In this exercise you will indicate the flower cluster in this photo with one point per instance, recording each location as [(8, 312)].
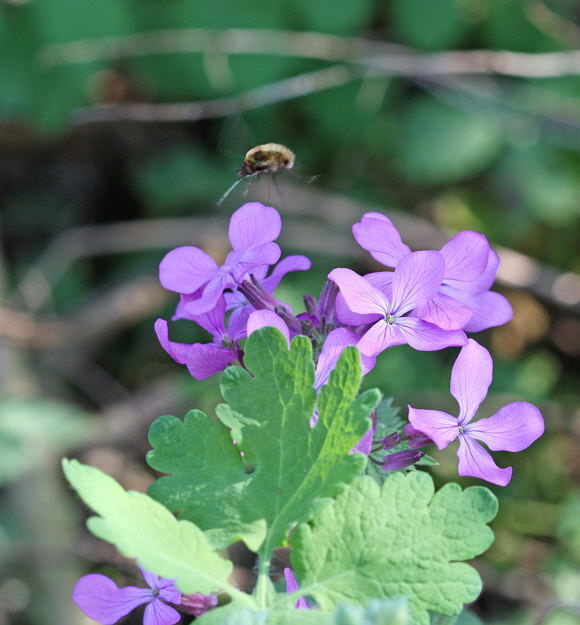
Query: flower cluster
[(427, 300)]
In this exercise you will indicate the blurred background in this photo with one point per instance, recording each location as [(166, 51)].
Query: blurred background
[(122, 123)]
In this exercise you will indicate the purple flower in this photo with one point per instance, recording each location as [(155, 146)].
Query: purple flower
[(464, 299), (513, 428), (415, 280), (267, 318), (204, 359), (332, 349), (197, 604), (401, 459), (187, 270), (292, 586), (103, 601)]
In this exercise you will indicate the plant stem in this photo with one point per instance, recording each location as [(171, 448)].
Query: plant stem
[(261, 591)]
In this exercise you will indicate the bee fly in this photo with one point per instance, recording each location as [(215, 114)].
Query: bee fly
[(267, 158)]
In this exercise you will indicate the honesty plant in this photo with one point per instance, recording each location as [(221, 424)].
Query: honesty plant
[(297, 457)]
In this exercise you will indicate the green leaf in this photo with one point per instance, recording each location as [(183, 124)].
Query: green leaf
[(399, 541), (389, 612), (295, 468), (441, 144), (234, 615), (30, 429), (142, 528)]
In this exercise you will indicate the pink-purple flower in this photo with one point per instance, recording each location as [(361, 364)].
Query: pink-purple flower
[(204, 359), (463, 299), (513, 428), (188, 270), (103, 601), (292, 586), (390, 309)]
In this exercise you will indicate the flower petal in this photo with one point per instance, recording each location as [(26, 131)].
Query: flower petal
[(345, 315), (417, 278), (286, 265), (474, 461), (205, 360), (490, 309), (376, 233), (380, 336), (245, 261), (103, 601), (383, 281), (185, 269), (359, 295), (238, 321), (177, 351), (426, 337), (512, 428), (159, 613), (209, 299), (465, 256), (365, 444), (292, 586), (267, 318), (253, 224), (213, 320), (166, 587), (440, 427), (332, 349), (444, 312), (470, 379)]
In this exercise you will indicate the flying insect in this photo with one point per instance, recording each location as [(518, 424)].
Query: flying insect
[(267, 158)]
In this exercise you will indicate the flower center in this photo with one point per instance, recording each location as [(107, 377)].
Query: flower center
[(390, 319)]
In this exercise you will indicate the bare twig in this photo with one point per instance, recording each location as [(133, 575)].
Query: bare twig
[(121, 307), (357, 57), (277, 91), (374, 54)]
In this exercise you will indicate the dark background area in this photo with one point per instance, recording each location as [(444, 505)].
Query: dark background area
[(122, 123)]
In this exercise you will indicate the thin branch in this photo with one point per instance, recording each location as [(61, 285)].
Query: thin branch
[(374, 54), (357, 57), (271, 93), (121, 307)]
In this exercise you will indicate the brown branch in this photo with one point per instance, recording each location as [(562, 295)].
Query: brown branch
[(357, 57), (278, 91), (121, 307), (374, 54)]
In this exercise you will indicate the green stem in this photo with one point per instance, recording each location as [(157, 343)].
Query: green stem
[(263, 582)]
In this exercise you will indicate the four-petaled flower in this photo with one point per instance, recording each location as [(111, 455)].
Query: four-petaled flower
[(513, 428), (187, 270), (463, 299), (415, 280), (103, 601)]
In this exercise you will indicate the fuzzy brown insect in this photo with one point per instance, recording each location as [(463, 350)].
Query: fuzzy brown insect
[(267, 158)]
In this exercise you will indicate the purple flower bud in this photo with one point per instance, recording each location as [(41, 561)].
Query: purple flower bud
[(257, 295), (327, 303), (415, 438), (401, 459), (311, 305), (197, 604), (390, 441)]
